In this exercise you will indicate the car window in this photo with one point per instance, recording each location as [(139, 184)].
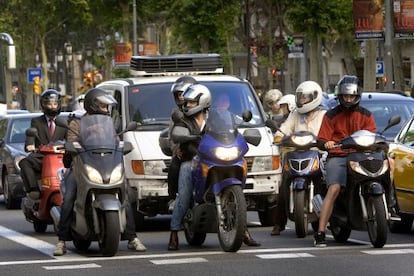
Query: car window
[(408, 137), (18, 130)]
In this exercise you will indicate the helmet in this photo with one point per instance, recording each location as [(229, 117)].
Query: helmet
[(50, 96), (197, 93), (308, 96), (95, 98), (348, 85), (273, 95), (180, 86), (289, 100)]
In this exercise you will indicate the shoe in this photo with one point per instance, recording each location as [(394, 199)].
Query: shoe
[(34, 195), (60, 249), (171, 205), (319, 239), (173, 243), (136, 244), (249, 241), (276, 230)]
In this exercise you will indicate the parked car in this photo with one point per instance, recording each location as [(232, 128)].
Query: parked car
[(12, 137), (383, 106), (402, 152)]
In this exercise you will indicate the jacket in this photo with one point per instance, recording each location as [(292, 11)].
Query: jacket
[(189, 149), (295, 122)]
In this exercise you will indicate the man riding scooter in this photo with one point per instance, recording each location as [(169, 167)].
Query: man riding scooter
[(31, 166)]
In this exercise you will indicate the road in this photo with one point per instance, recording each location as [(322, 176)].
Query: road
[(24, 252)]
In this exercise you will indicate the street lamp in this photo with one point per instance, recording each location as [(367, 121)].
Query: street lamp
[(68, 71), (59, 59)]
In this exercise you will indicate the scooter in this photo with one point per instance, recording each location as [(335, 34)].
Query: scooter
[(39, 212), (302, 174), (99, 209), (219, 175), (362, 205)]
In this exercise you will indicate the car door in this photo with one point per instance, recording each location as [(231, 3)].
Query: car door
[(402, 153)]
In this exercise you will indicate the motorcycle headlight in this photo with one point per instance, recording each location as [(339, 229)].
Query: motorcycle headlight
[(116, 174), (227, 154), (365, 140), (93, 174), (302, 140)]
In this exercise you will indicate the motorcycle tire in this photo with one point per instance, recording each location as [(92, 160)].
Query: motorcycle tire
[(377, 221), (300, 213), (232, 227), (81, 245), (193, 238), (110, 233), (39, 226), (340, 234), (403, 226)]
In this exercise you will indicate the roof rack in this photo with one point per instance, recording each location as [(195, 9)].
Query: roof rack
[(176, 64)]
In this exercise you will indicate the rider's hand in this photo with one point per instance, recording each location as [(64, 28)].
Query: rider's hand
[(330, 145), (30, 148), (277, 139)]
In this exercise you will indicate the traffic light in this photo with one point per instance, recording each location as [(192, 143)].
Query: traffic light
[(36, 85), (88, 80)]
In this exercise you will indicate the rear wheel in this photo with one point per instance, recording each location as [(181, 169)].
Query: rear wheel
[(377, 221), (110, 233), (301, 217), (81, 245), (267, 217), (403, 226), (9, 201), (232, 227), (340, 234), (39, 226), (193, 238)]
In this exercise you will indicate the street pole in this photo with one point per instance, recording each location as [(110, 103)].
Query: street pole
[(389, 34), (134, 24)]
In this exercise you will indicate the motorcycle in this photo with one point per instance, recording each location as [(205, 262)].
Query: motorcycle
[(303, 175), (219, 173), (362, 205), (99, 209), (40, 211)]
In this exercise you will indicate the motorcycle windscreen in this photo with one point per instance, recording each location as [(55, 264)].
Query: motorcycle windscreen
[(97, 132), (221, 125)]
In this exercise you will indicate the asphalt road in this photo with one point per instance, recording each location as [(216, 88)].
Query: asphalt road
[(24, 252)]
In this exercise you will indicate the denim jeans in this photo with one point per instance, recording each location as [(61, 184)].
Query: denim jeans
[(184, 197), (66, 209)]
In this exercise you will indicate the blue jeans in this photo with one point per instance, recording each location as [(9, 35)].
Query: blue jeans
[(184, 197)]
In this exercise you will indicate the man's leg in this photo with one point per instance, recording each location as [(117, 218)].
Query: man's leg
[(173, 174), (30, 167), (130, 233)]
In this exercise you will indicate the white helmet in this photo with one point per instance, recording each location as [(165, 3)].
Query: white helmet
[(273, 95), (199, 93), (308, 96), (289, 100)]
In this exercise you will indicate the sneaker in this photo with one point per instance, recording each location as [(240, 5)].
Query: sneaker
[(136, 245), (171, 205), (60, 249), (319, 239)]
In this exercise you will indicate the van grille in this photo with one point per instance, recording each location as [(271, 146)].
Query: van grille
[(249, 161)]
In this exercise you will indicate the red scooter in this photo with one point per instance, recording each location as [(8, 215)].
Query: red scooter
[(39, 211)]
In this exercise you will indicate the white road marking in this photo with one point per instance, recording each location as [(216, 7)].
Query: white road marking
[(284, 256), (178, 261), (62, 267), (389, 251)]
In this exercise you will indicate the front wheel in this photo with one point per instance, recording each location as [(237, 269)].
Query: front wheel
[(301, 217), (233, 223), (110, 233), (377, 221)]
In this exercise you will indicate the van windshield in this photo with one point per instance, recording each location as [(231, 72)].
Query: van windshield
[(152, 104)]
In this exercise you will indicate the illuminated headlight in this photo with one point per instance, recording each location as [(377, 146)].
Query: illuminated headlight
[(365, 140), (261, 164), (355, 166), (116, 174), (154, 167), (17, 159), (227, 154), (93, 174), (302, 140)]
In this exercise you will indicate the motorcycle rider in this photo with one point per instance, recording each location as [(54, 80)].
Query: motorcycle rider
[(338, 123), (97, 101), (271, 101), (31, 166), (177, 89), (307, 116)]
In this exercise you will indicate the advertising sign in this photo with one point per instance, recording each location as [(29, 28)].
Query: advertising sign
[(368, 19)]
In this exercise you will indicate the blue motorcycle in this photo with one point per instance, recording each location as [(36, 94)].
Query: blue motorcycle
[(219, 176)]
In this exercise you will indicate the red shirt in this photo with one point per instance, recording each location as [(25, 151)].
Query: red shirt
[(339, 123)]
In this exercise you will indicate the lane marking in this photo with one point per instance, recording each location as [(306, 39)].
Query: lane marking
[(285, 256), (389, 251), (179, 261), (62, 267)]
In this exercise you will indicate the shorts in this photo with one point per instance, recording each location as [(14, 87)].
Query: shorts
[(336, 171)]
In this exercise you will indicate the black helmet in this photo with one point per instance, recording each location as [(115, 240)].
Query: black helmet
[(50, 96), (96, 97), (348, 85), (180, 86)]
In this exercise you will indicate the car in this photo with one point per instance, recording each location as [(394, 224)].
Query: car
[(12, 138), (401, 154), (383, 106)]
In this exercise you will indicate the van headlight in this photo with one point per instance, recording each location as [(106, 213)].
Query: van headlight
[(227, 154), (262, 163), (93, 174), (116, 174)]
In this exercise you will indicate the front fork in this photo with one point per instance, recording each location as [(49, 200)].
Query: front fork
[(291, 197), (220, 215), (364, 206)]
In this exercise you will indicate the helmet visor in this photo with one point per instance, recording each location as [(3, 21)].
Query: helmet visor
[(348, 89), (303, 98)]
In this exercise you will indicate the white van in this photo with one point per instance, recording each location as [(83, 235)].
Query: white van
[(146, 98)]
